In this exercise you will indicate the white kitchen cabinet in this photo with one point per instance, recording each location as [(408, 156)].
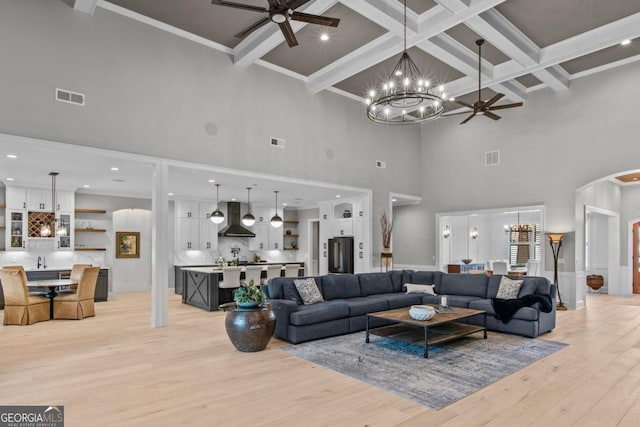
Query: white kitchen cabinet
[(275, 234), (205, 209), (16, 230), (187, 234), (16, 198), (207, 234), (64, 241), (343, 227), (39, 200), (261, 241), (325, 232), (65, 201), (194, 230), (360, 247), (187, 209)]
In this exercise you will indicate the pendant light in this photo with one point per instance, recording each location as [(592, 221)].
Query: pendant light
[(248, 219), (58, 224), (217, 216), (276, 221)]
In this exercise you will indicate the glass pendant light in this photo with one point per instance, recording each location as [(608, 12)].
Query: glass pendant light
[(58, 225), (276, 221), (248, 219), (217, 216)]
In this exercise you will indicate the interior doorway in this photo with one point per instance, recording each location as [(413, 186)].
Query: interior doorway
[(313, 248), (636, 258)]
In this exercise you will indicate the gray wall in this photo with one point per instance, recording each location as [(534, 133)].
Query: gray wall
[(150, 92), (552, 146)]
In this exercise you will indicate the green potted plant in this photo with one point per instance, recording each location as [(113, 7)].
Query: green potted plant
[(249, 295)]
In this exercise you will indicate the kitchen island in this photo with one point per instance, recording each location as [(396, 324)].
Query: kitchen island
[(199, 284)]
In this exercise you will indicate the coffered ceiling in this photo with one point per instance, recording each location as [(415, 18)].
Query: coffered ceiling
[(531, 45)]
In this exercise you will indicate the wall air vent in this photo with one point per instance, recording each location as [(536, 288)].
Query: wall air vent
[(277, 142), (381, 164), (69, 97), (492, 158)]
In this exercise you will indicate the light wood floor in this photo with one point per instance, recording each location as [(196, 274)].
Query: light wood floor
[(114, 369)]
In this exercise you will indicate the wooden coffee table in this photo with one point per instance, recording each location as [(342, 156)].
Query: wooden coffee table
[(440, 328)]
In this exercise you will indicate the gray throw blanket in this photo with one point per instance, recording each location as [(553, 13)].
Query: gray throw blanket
[(506, 308)]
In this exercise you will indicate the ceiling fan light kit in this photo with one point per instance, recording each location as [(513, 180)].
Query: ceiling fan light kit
[(280, 12), (405, 96)]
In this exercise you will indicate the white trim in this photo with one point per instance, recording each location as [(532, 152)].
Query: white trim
[(280, 69), (162, 26), (629, 267), (309, 260), (605, 67)]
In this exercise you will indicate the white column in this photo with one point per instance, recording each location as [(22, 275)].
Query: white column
[(160, 245)]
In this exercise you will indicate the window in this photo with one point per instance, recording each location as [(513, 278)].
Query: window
[(524, 241)]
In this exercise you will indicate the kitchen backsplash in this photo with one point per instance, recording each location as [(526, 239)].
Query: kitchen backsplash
[(52, 259), (224, 249)]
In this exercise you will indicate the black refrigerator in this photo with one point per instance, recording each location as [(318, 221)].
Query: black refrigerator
[(341, 255)]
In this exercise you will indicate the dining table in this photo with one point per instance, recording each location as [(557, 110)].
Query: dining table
[(54, 286)]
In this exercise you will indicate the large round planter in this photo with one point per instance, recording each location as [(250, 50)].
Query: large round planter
[(595, 281), (250, 329)]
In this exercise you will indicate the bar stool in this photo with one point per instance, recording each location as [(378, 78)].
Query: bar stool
[(253, 272), (273, 271), (230, 281), (291, 270)]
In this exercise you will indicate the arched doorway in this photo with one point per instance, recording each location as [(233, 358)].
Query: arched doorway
[(635, 233)]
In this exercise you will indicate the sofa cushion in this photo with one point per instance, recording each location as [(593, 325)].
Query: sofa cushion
[(397, 300), (528, 287), (276, 286), (464, 284), (413, 288), (493, 285), (321, 312), (430, 299), (375, 283), (460, 300), (525, 313), (508, 288), (396, 280), (308, 290), (427, 278), (291, 293), (340, 286), (363, 305)]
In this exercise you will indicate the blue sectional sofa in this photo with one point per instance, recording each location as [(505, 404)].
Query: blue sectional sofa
[(348, 298)]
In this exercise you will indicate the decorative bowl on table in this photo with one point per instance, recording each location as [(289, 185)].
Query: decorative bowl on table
[(466, 260), (421, 312)]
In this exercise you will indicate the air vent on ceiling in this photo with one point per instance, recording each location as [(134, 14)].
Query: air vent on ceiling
[(381, 164), (277, 142), (492, 158), (67, 96)]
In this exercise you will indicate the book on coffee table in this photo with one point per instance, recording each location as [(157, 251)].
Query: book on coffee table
[(443, 309)]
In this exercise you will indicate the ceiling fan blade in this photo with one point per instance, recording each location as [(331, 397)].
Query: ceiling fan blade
[(502, 107), (464, 104), (288, 33), (240, 6), (315, 19), (250, 29), (468, 118), (294, 4), (491, 115), (493, 100)]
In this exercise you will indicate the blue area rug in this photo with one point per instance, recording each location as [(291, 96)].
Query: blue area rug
[(453, 370)]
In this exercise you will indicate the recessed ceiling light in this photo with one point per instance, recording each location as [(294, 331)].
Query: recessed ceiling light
[(284, 204), (233, 199), (452, 99), (338, 196), (324, 37), (86, 186), (115, 169), (625, 42), (12, 156), (118, 180), (10, 179), (212, 180), (394, 200), (170, 194)]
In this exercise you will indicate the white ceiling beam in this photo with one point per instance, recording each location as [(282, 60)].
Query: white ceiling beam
[(385, 13), (501, 33), (87, 6), (265, 39)]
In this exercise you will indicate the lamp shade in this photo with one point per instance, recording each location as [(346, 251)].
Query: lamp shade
[(555, 237), (248, 219), (217, 217)]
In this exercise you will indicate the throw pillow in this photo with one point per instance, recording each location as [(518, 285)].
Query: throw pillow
[(508, 288), (308, 290), (413, 288)]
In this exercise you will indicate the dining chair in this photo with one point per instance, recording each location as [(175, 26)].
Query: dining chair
[(79, 304), (500, 267), (20, 268), (253, 273), (74, 274), (20, 308), (533, 266), (291, 270), (230, 281), (274, 270)]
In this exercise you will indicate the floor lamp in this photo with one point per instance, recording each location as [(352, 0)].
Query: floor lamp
[(555, 240)]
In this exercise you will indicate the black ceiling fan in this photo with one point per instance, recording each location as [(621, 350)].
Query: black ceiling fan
[(280, 12), (481, 107)]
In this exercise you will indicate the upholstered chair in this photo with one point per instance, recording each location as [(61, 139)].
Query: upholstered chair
[(533, 267), (273, 271), (76, 274), (230, 281), (20, 308), (79, 304), (291, 270), (253, 272), (500, 267)]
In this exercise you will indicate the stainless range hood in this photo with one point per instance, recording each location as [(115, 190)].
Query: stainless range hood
[(235, 227)]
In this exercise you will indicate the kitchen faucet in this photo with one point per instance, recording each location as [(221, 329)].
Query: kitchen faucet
[(39, 261)]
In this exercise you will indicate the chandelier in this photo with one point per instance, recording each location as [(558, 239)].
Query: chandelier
[(405, 97)]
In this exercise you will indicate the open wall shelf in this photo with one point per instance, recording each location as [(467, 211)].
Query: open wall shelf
[(91, 211), (90, 230)]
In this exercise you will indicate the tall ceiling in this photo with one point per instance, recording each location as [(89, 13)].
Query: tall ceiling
[(531, 45)]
